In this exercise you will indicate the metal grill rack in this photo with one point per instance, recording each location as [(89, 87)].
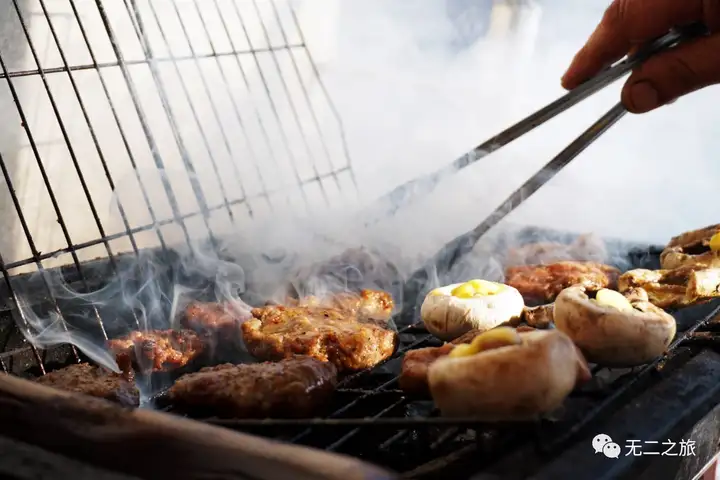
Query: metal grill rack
[(186, 118)]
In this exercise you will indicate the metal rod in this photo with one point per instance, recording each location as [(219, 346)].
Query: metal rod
[(145, 61), (238, 117), (391, 202), (328, 99), (243, 74), (138, 27), (306, 96), (449, 255), (193, 111), (151, 226), (121, 131), (291, 104), (273, 106), (142, 117)]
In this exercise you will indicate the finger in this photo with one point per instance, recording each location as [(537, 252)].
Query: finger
[(672, 74), (630, 22)]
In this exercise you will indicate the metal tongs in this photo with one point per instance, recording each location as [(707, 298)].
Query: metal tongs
[(456, 249)]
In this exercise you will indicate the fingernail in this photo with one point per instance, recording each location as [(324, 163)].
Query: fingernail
[(643, 97)]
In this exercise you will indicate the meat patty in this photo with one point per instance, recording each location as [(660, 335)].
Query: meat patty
[(156, 350), (691, 249), (294, 387), (542, 283), (328, 334), (94, 381)]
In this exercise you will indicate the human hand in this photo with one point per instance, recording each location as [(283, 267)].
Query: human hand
[(628, 24)]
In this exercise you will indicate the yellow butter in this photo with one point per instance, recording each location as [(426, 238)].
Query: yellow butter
[(715, 242), (611, 298)]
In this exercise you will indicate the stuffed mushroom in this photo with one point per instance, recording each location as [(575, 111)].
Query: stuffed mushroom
[(612, 330), (506, 375), (451, 311)]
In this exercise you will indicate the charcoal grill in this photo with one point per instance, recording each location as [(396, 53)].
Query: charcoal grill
[(674, 398)]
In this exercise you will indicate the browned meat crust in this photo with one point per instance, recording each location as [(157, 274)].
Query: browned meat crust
[(539, 317), (369, 305), (294, 387), (545, 282), (415, 364), (156, 350), (219, 322), (328, 334), (94, 381), (585, 248), (691, 249), (680, 287)]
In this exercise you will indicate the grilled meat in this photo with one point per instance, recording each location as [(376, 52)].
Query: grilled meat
[(545, 282), (219, 322), (691, 249), (156, 350), (328, 334), (295, 387), (369, 305), (585, 248), (680, 287), (413, 376), (540, 316), (94, 381)]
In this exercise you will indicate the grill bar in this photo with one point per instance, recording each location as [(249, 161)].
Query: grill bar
[(138, 27), (183, 58), (155, 226)]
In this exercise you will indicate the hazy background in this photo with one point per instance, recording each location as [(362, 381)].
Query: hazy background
[(415, 85)]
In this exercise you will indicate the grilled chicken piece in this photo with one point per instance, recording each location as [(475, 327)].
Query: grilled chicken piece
[(680, 287), (542, 283), (219, 321), (540, 316), (691, 249), (413, 376), (93, 381), (156, 350), (369, 305), (294, 387), (587, 247), (328, 334)]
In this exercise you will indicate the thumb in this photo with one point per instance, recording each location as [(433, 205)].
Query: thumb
[(672, 74)]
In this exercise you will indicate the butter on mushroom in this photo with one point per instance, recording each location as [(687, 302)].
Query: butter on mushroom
[(451, 311), (505, 375), (611, 330)]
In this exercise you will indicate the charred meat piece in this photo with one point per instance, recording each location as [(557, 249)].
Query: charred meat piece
[(691, 249), (156, 350), (413, 376), (542, 283), (94, 381), (680, 287), (369, 305), (586, 247), (328, 334), (540, 316), (294, 387), (219, 320)]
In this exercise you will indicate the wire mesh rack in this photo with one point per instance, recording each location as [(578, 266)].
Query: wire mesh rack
[(141, 124)]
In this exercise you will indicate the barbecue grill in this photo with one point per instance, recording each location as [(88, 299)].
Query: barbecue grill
[(277, 113)]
